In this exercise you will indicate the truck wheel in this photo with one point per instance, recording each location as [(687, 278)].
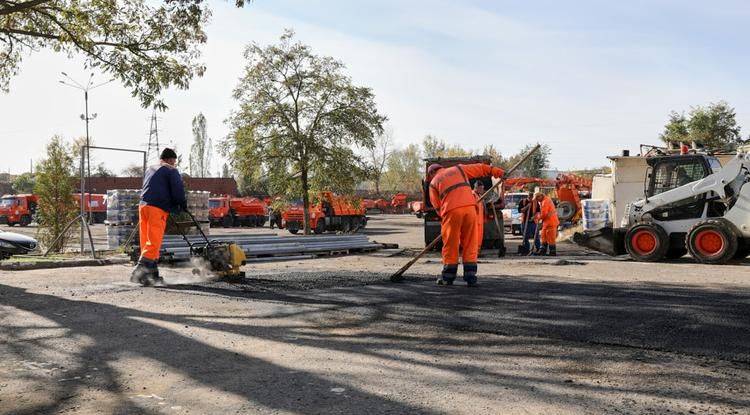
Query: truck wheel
[(346, 225), (743, 249), (712, 241), (566, 210), (227, 222), (293, 231), (11, 224), (646, 242)]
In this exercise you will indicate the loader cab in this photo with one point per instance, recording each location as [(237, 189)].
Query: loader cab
[(666, 173), (670, 172)]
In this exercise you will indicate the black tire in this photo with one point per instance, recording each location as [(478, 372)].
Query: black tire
[(11, 224), (227, 221), (712, 241), (743, 249), (293, 231), (646, 242), (566, 210), (346, 224)]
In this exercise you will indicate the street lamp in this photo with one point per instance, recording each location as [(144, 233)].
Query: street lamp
[(88, 87)]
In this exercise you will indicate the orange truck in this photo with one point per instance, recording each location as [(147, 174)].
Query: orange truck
[(236, 211), (18, 209), (399, 203), (331, 213), (95, 205)]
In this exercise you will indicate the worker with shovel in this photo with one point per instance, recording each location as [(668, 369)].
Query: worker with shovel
[(162, 193), (528, 208), (548, 221), (452, 198)]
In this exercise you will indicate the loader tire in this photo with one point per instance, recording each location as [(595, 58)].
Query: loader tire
[(712, 241), (646, 242), (566, 210)]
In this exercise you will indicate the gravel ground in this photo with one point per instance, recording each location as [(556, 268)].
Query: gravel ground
[(578, 335)]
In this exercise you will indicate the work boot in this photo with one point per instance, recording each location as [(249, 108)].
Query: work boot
[(145, 272), (448, 275), (542, 251), (157, 281), (470, 274), (553, 250)]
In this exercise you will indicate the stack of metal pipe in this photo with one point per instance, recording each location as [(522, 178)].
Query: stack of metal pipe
[(174, 248)]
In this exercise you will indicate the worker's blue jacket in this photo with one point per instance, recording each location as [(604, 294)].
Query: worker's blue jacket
[(162, 187)]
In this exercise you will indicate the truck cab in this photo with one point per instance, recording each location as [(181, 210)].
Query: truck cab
[(493, 237), (18, 209)]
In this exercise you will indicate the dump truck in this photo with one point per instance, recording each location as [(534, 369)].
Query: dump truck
[(330, 213), (399, 203), (494, 235), (654, 179), (236, 211), (95, 205), (18, 209)]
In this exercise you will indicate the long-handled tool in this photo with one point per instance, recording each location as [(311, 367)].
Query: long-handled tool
[(398, 276), (223, 258), (536, 249)]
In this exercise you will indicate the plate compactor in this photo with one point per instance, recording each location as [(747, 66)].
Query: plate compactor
[(222, 259)]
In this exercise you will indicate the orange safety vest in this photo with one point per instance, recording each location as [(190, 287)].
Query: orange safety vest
[(450, 188)]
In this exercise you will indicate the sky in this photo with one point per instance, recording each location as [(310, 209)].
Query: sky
[(588, 78)]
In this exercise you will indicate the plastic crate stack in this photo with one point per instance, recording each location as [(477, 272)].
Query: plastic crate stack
[(595, 214), (122, 215)]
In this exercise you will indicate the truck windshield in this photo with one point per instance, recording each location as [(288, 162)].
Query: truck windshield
[(213, 204), (8, 202)]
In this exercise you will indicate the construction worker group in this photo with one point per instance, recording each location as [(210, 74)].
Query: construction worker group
[(461, 212)]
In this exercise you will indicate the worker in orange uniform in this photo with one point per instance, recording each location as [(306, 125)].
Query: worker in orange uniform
[(548, 220), (162, 192), (478, 192), (452, 198)]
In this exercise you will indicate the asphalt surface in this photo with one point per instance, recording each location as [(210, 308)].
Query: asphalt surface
[(333, 335)]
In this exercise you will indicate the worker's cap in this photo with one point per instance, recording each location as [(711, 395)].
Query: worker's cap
[(434, 167), (537, 192), (167, 154)]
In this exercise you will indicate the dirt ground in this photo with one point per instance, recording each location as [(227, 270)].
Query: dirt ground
[(580, 334)]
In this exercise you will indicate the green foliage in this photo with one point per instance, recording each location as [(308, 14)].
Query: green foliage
[(102, 171), (436, 147), (714, 126), (676, 129), (24, 183), (534, 166), (201, 150), (299, 116), (225, 172), (133, 170), (54, 186), (148, 45), (405, 170)]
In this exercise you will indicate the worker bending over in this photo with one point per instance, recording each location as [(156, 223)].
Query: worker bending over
[(162, 193), (547, 219), (478, 192), (451, 196)]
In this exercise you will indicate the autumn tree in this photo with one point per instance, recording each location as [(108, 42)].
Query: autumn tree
[(435, 147), (405, 170), (714, 126), (54, 186), (148, 45), (201, 150), (301, 115)]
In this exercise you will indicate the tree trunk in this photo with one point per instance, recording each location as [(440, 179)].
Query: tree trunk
[(305, 200), (377, 186)]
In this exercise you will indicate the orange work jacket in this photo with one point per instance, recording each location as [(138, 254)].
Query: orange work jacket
[(450, 188), (548, 213)]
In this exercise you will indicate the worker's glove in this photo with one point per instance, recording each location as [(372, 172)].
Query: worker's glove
[(497, 172)]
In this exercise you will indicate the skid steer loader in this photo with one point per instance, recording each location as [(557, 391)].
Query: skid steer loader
[(708, 218)]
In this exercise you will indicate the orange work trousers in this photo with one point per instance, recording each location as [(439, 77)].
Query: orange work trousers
[(152, 222), (459, 228), (548, 234)]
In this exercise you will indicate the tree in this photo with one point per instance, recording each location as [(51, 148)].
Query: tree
[(225, 172), (715, 126), (133, 170), (148, 45), (534, 166), (300, 115), (200, 151), (102, 171), (405, 170), (497, 159), (436, 147), (377, 157), (54, 186), (676, 129), (24, 183)]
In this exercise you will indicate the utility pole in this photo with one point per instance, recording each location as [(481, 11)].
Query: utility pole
[(153, 137)]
